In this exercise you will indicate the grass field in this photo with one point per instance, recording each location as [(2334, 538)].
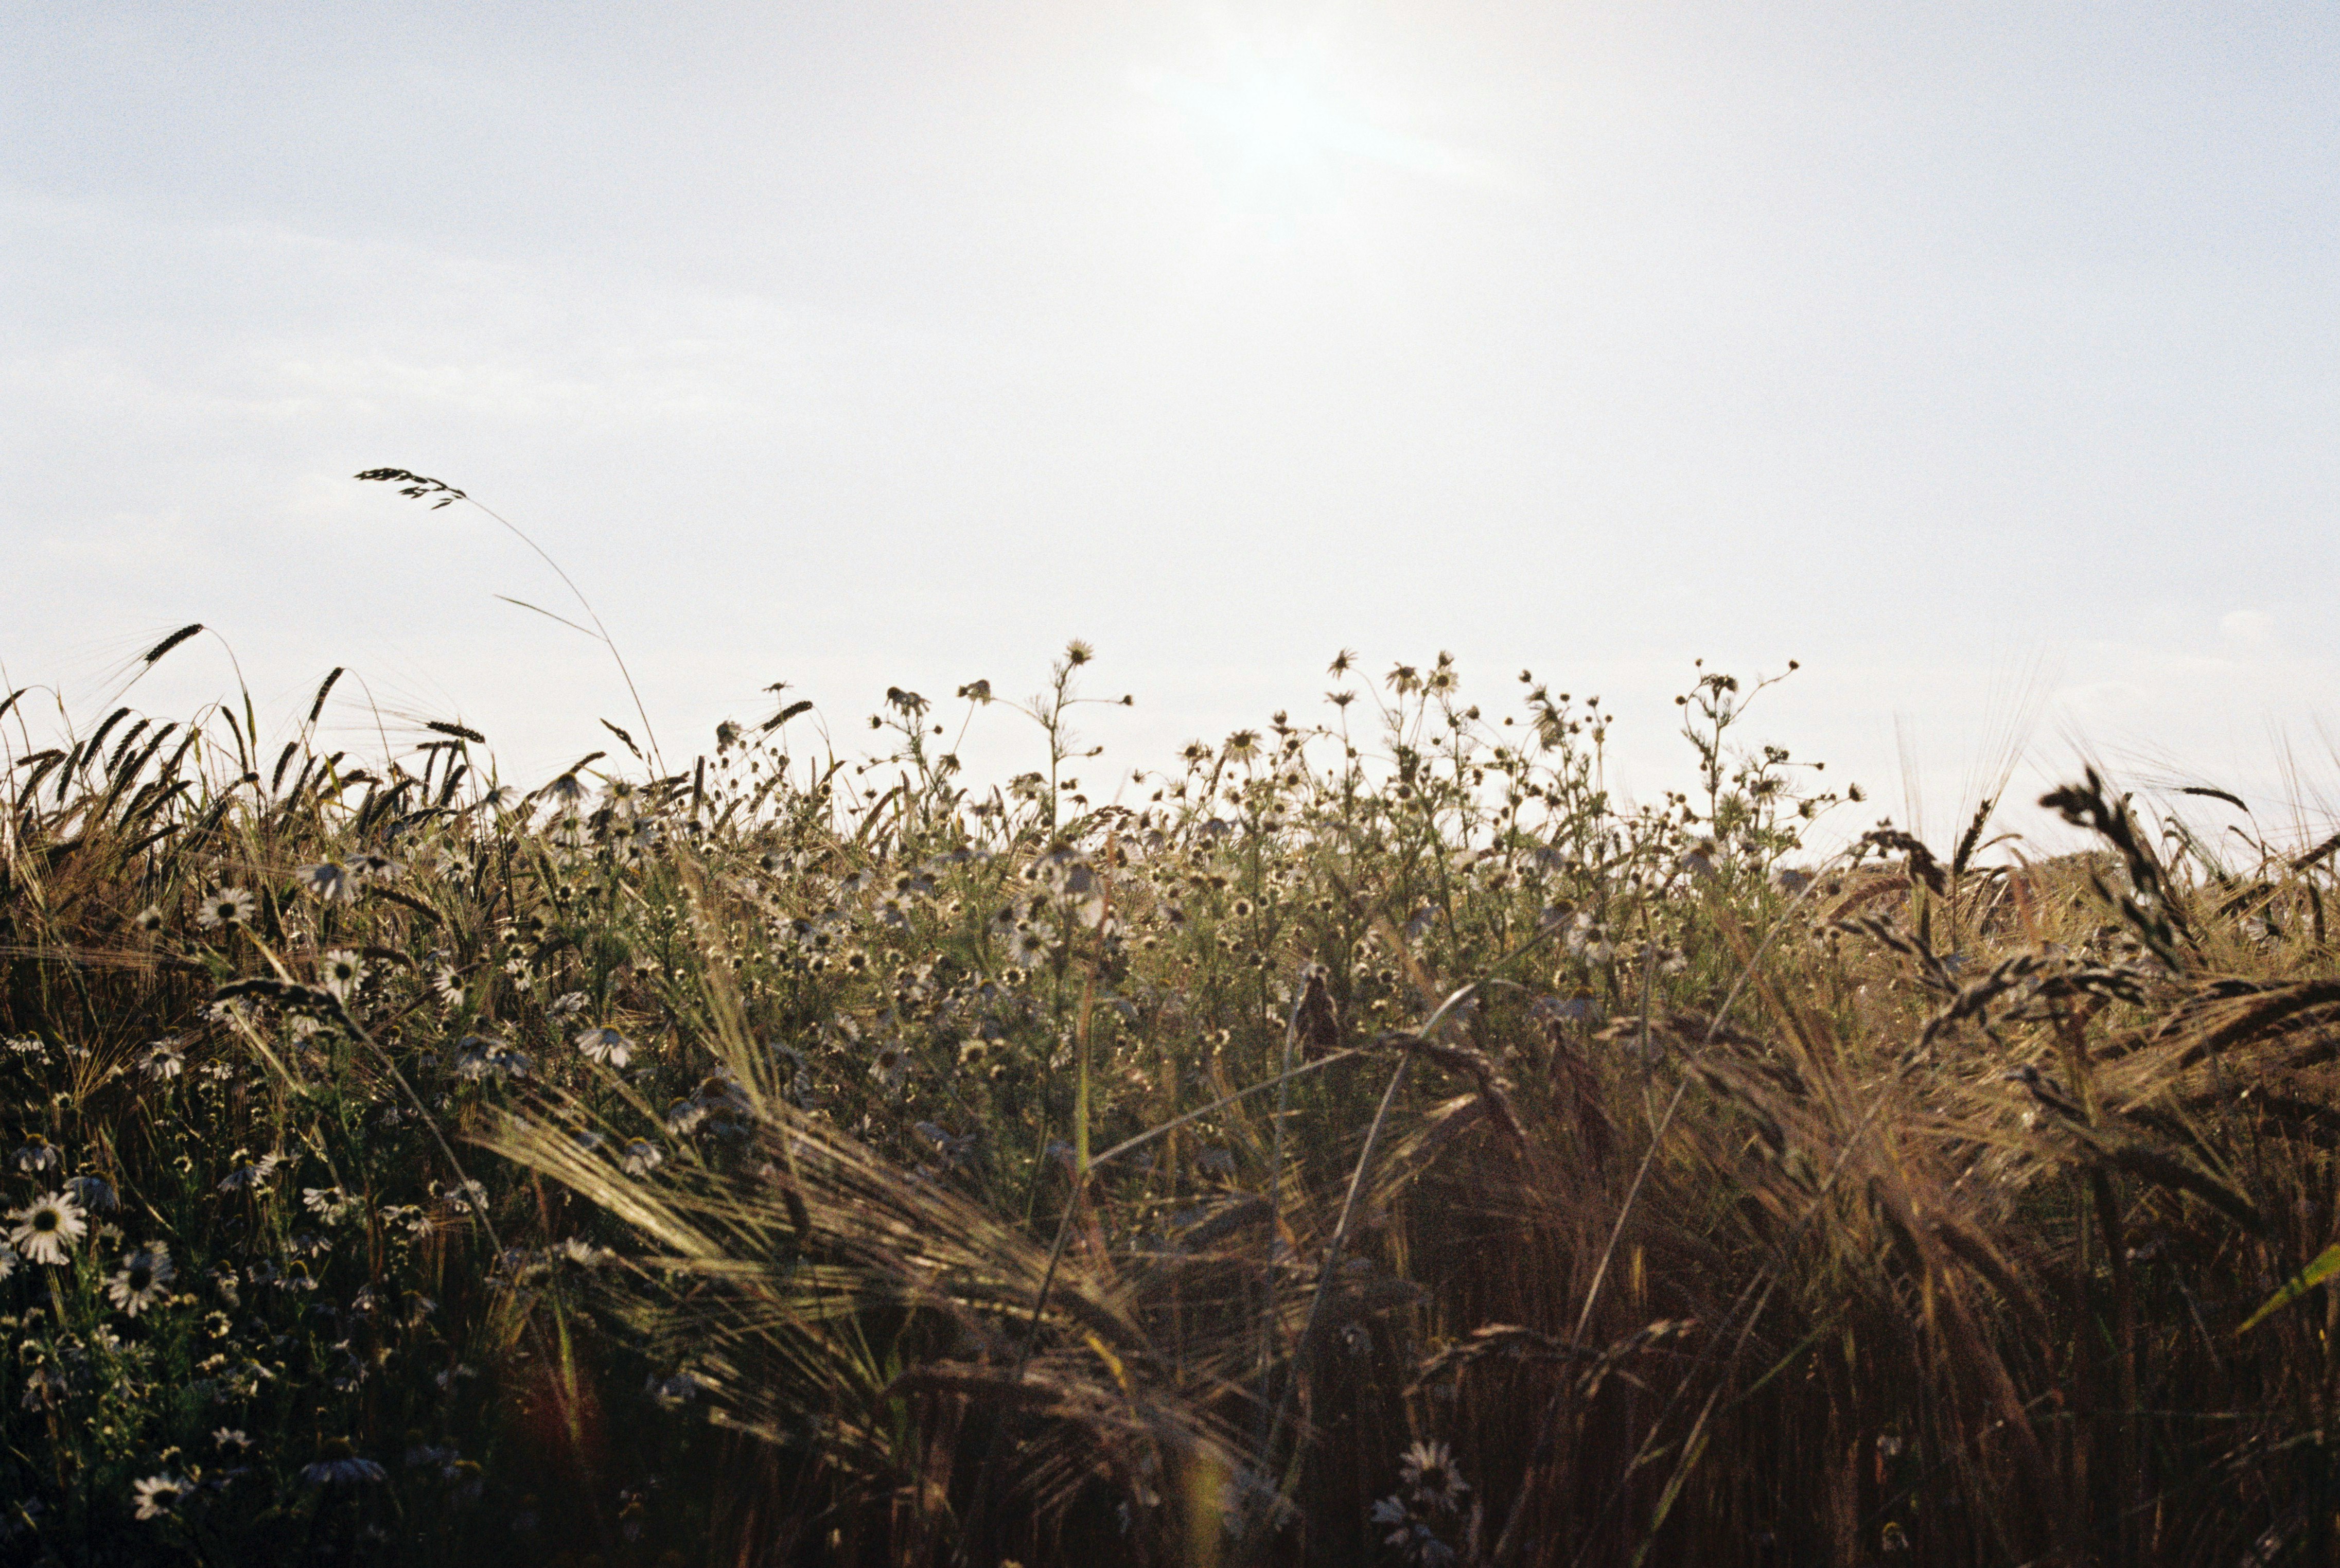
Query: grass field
[(1362, 1140)]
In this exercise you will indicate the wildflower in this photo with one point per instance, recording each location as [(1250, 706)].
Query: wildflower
[(606, 1045), (465, 1196), (338, 1465), (156, 1495), (1029, 947), (340, 971), (581, 1252), (891, 1064), (567, 1005), (144, 1279), (1588, 940), (642, 1156), (370, 867), (45, 1388), (7, 1260), (229, 1437), (447, 985), (328, 883), (1412, 1538), (148, 919), (223, 907), (38, 1154), (47, 1227), (254, 1174), (163, 1059), (1429, 1469)]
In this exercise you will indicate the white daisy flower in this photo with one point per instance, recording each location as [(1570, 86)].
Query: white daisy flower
[(93, 1193), (371, 868), (337, 1465), (1429, 1469), (606, 1045), (1029, 947), (38, 1154), (642, 1156), (47, 1227), (144, 1279), (223, 907), (156, 1495), (329, 883), (254, 1174), (341, 972)]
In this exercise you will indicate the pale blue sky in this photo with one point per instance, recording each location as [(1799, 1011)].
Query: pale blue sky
[(854, 345)]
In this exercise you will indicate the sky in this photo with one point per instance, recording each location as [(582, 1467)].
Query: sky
[(1984, 359)]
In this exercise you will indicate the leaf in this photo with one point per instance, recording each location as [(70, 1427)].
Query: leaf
[(2327, 1264)]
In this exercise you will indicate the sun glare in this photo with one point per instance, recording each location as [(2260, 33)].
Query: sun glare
[(1276, 138), (1279, 121)]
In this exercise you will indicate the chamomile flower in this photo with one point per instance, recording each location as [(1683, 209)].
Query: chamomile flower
[(144, 1279), (149, 920), (337, 1465), (891, 1064), (47, 1227), (251, 1175), (93, 1193), (156, 1495), (606, 1045), (1029, 947), (341, 972), (370, 867), (38, 1154), (222, 907), (163, 1060), (642, 1156), (1428, 1469), (328, 883)]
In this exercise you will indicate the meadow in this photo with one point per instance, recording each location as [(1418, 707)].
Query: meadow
[(1363, 1139)]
